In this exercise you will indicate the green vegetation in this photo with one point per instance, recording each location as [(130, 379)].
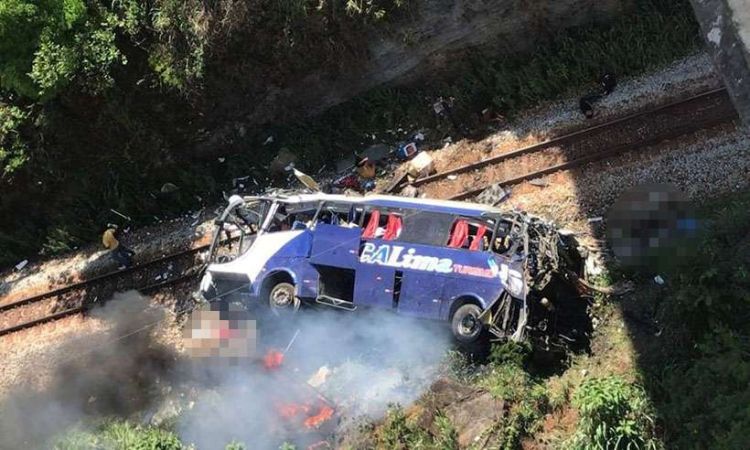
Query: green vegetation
[(701, 389), (613, 414), (400, 433), (103, 103), (526, 396), (119, 435)]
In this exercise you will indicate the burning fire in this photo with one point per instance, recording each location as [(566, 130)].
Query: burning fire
[(312, 416), (273, 359), (290, 411), (325, 413)]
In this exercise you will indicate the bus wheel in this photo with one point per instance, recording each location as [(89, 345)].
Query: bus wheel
[(281, 299), (466, 326)]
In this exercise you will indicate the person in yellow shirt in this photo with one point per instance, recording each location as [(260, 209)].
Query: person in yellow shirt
[(120, 253)]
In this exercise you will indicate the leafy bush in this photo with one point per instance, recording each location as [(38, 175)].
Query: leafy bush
[(398, 432), (121, 436), (45, 45), (701, 389), (13, 151), (613, 414), (525, 396), (510, 352)]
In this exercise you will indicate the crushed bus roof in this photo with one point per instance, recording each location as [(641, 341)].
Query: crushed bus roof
[(389, 201)]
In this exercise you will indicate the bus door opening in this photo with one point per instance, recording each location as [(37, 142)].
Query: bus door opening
[(376, 283), (334, 253)]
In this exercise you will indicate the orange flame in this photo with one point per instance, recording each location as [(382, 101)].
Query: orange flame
[(290, 410), (323, 414), (273, 359)]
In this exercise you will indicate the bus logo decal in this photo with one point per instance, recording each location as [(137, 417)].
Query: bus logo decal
[(395, 256)]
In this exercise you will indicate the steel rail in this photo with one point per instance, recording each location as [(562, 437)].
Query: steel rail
[(576, 135), (100, 278), (613, 151), (83, 308)]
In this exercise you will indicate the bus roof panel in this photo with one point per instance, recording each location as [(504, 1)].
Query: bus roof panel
[(390, 201)]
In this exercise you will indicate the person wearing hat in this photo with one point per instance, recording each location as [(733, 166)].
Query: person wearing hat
[(365, 168), (120, 253), (366, 172)]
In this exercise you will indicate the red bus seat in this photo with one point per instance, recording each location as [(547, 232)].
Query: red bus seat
[(372, 225), (393, 227), (459, 234)]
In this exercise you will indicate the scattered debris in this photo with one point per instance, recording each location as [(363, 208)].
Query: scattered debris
[(22, 264), (281, 161), (540, 182), (319, 377), (421, 166), (349, 181), (306, 180), (595, 219), (406, 151), (659, 280), (268, 140), (493, 195), (221, 159), (376, 153), (452, 177), (345, 165), (410, 191), (419, 137), (123, 215)]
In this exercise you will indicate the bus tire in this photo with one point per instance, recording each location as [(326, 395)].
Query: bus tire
[(465, 324), (282, 299)]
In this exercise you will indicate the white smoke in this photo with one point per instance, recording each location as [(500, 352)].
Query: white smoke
[(360, 362), (113, 373)]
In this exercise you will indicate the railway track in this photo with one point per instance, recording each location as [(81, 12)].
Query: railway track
[(78, 297), (576, 149), (565, 152)]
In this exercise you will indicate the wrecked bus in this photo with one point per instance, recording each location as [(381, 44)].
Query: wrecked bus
[(482, 270)]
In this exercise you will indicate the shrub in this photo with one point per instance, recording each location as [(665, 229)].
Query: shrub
[(398, 432), (45, 45), (525, 396), (613, 414), (510, 352), (13, 151), (121, 436), (701, 389)]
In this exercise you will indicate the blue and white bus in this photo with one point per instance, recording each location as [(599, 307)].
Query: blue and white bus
[(476, 267)]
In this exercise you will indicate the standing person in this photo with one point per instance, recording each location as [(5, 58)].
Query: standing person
[(120, 253), (608, 81)]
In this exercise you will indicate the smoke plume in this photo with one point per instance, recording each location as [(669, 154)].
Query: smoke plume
[(115, 373)]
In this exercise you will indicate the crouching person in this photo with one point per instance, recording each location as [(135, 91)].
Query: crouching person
[(120, 253)]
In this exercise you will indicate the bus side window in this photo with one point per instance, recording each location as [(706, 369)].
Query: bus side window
[(502, 241)]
